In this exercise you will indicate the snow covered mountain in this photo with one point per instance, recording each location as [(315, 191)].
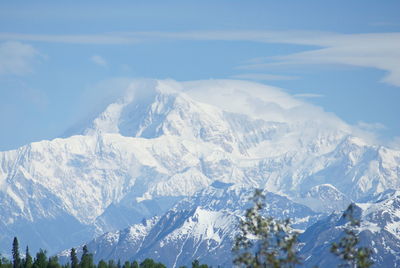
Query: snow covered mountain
[(199, 227), (379, 230), (203, 227), (165, 140)]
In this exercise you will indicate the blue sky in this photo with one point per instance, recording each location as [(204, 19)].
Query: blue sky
[(58, 58)]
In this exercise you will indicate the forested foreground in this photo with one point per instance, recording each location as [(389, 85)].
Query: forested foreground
[(261, 242), (86, 261)]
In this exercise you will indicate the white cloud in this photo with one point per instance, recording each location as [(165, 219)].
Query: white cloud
[(264, 77), (378, 50), (374, 50), (308, 95), (99, 60), (16, 58), (371, 126), (104, 39), (259, 101)]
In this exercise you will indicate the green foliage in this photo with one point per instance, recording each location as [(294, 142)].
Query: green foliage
[(40, 260), (15, 254), (53, 262), (5, 263), (74, 259), (150, 263), (264, 241), (135, 264), (127, 264), (102, 264), (347, 250), (28, 262), (196, 264), (86, 259), (111, 264)]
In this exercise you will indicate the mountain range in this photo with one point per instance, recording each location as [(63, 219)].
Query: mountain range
[(174, 163)]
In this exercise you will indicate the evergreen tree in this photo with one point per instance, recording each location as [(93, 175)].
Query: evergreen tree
[(67, 265), (53, 262), (127, 264), (135, 264), (102, 264), (347, 250), (15, 254), (74, 259), (86, 259), (111, 264), (40, 260), (196, 264), (264, 242), (28, 259), (5, 263), (150, 263)]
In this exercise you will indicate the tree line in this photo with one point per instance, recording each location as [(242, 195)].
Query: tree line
[(86, 261), (261, 242)]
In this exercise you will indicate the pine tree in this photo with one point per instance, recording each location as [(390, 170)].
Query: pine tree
[(40, 260), (347, 249), (127, 264), (5, 263), (102, 264), (28, 259), (86, 259), (15, 254), (135, 264), (67, 265), (53, 262), (196, 264), (74, 259), (111, 264), (264, 241), (150, 263)]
